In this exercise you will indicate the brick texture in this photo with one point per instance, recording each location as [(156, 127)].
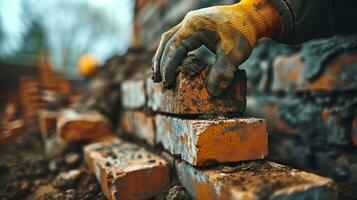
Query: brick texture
[(139, 124), (73, 126), (190, 96), (127, 171), (253, 181), (337, 75), (203, 142)]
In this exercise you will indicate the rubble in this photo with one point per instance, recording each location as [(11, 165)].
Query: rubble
[(67, 180)]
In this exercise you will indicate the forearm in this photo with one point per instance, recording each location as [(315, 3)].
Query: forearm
[(304, 20)]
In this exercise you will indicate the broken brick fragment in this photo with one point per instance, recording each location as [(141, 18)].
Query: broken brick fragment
[(139, 124), (47, 121), (127, 171), (133, 93), (253, 181), (190, 95), (73, 126), (203, 142)]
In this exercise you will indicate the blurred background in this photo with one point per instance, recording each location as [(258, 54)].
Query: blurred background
[(50, 50)]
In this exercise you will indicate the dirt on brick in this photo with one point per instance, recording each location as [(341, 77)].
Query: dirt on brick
[(260, 175), (191, 66)]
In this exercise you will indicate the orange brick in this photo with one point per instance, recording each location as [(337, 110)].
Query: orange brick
[(11, 130), (133, 94), (288, 75), (139, 124), (337, 75), (203, 142), (47, 121), (190, 96), (253, 181), (127, 171), (73, 126)]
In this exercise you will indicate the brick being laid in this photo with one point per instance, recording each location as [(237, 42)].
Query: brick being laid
[(47, 121), (127, 171), (139, 124), (73, 126), (133, 95), (203, 142), (253, 180), (190, 95)]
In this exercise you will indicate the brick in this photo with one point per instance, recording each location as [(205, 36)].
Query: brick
[(190, 96), (47, 121), (73, 126), (338, 75), (127, 171), (133, 94), (11, 130), (139, 124), (288, 74), (203, 142), (253, 181)]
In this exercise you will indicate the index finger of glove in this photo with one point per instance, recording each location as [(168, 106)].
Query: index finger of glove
[(157, 58)]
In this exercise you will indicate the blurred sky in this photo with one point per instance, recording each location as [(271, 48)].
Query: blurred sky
[(69, 28)]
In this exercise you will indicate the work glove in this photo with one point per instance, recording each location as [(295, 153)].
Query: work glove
[(228, 31)]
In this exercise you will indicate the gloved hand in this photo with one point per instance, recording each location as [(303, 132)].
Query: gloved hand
[(229, 31)]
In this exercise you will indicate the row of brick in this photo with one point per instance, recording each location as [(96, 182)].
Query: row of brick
[(128, 171), (277, 69), (199, 142)]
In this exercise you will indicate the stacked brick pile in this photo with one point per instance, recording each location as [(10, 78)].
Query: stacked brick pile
[(33, 89), (201, 139), (183, 133), (311, 108)]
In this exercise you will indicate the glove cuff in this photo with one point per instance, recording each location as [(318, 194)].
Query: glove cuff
[(255, 19)]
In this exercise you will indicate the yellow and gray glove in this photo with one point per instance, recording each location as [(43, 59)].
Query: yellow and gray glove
[(229, 31)]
